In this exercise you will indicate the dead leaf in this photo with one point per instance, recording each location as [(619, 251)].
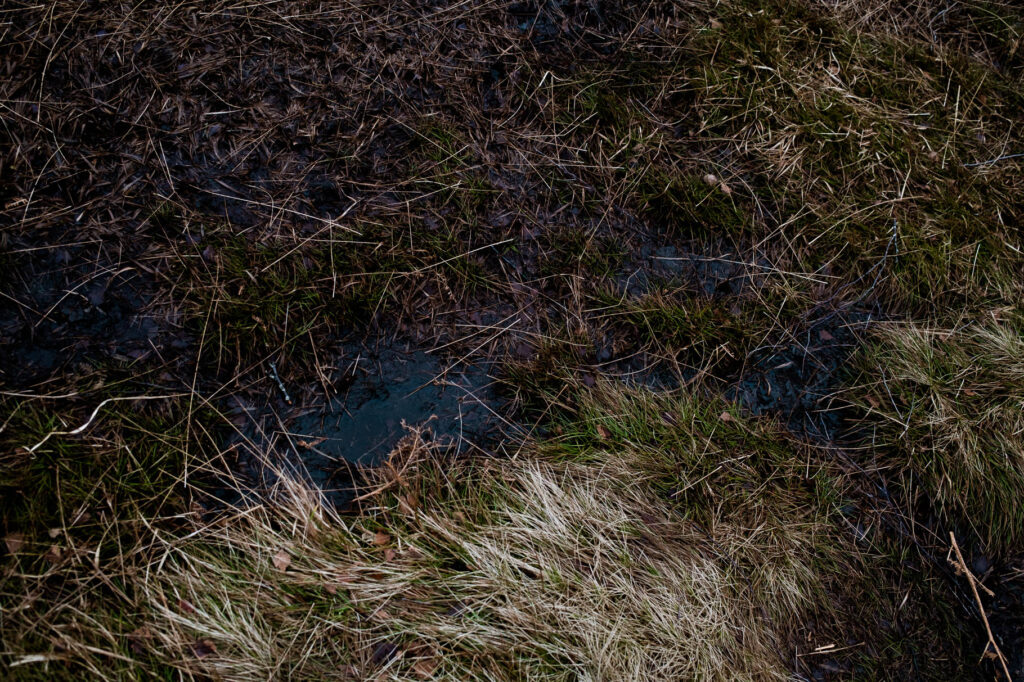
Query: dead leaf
[(407, 504), (282, 560), (14, 542), (54, 554), (380, 538), (825, 336), (203, 647), (424, 668), (725, 189), (726, 417), (389, 554), (873, 401), (716, 24), (603, 432), (330, 588)]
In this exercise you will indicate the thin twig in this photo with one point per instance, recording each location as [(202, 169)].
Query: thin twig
[(960, 565)]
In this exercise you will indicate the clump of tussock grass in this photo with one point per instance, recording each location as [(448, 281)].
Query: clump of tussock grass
[(529, 568), (950, 405)]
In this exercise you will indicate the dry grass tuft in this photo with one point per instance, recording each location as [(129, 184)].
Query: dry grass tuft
[(483, 569)]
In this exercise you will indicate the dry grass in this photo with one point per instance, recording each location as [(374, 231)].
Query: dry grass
[(474, 569)]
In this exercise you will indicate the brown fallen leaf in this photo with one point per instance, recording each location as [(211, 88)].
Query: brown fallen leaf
[(407, 504), (389, 554), (603, 432), (380, 538), (14, 542), (424, 668), (726, 417), (186, 606), (202, 648), (330, 588), (282, 560), (825, 336)]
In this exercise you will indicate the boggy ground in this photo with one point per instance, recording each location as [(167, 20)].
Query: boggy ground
[(703, 320)]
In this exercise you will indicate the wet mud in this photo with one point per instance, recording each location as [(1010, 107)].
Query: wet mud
[(379, 393)]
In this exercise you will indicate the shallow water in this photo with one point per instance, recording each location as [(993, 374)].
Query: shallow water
[(363, 424)]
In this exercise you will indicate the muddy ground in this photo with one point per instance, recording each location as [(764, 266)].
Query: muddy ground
[(331, 235)]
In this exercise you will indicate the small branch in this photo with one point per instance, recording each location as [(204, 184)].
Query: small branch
[(961, 567)]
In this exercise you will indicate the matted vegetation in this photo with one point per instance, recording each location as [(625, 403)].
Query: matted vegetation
[(746, 278)]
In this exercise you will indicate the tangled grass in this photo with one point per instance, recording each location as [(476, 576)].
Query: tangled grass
[(953, 402)]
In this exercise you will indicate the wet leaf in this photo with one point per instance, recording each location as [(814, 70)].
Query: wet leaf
[(202, 648)]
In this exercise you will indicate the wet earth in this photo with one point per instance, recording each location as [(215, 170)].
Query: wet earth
[(379, 393)]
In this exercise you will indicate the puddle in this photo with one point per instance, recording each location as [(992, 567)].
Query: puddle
[(380, 392), (364, 423)]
